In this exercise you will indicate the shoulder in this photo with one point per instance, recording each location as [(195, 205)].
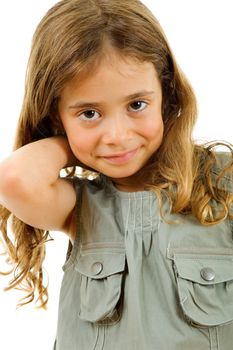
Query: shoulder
[(222, 160), (215, 168), (222, 170), (89, 184), (89, 188), (92, 195)]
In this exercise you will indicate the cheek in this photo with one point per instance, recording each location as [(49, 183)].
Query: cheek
[(154, 130), (81, 143), (78, 144)]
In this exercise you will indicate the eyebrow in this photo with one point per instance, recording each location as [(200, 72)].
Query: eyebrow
[(82, 104)]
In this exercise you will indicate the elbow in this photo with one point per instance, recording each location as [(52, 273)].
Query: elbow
[(11, 182)]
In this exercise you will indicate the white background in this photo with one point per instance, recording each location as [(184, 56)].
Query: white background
[(200, 34)]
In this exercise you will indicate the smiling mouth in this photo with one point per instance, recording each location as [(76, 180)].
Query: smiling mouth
[(121, 158)]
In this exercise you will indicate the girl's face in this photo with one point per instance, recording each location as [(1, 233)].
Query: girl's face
[(112, 117)]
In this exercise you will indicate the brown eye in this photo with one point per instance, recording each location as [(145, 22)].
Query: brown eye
[(138, 106), (89, 115)]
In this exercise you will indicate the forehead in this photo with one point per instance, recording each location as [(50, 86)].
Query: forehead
[(111, 68)]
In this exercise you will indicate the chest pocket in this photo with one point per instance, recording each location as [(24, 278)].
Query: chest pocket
[(101, 285), (205, 288)]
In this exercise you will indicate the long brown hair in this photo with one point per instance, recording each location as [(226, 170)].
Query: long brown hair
[(68, 40)]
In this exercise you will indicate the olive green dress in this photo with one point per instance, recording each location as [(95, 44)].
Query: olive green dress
[(135, 281)]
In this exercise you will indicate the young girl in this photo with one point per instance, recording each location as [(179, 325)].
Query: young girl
[(150, 221)]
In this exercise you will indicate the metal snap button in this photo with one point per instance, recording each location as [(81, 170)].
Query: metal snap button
[(207, 274), (97, 268)]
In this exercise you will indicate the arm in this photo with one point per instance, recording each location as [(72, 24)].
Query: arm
[(30, 186)]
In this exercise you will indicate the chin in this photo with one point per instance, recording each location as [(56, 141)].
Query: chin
[(120, 174)]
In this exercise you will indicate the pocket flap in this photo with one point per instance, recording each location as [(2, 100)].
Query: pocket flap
[(205, 288), (193, 267), (98, 265)]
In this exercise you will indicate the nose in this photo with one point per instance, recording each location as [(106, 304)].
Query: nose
[(117, 130)]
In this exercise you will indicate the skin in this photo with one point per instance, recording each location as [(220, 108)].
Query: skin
[(111, 133), (107, 130)]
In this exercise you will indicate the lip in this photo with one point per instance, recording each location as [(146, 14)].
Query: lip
[(121, 158)]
